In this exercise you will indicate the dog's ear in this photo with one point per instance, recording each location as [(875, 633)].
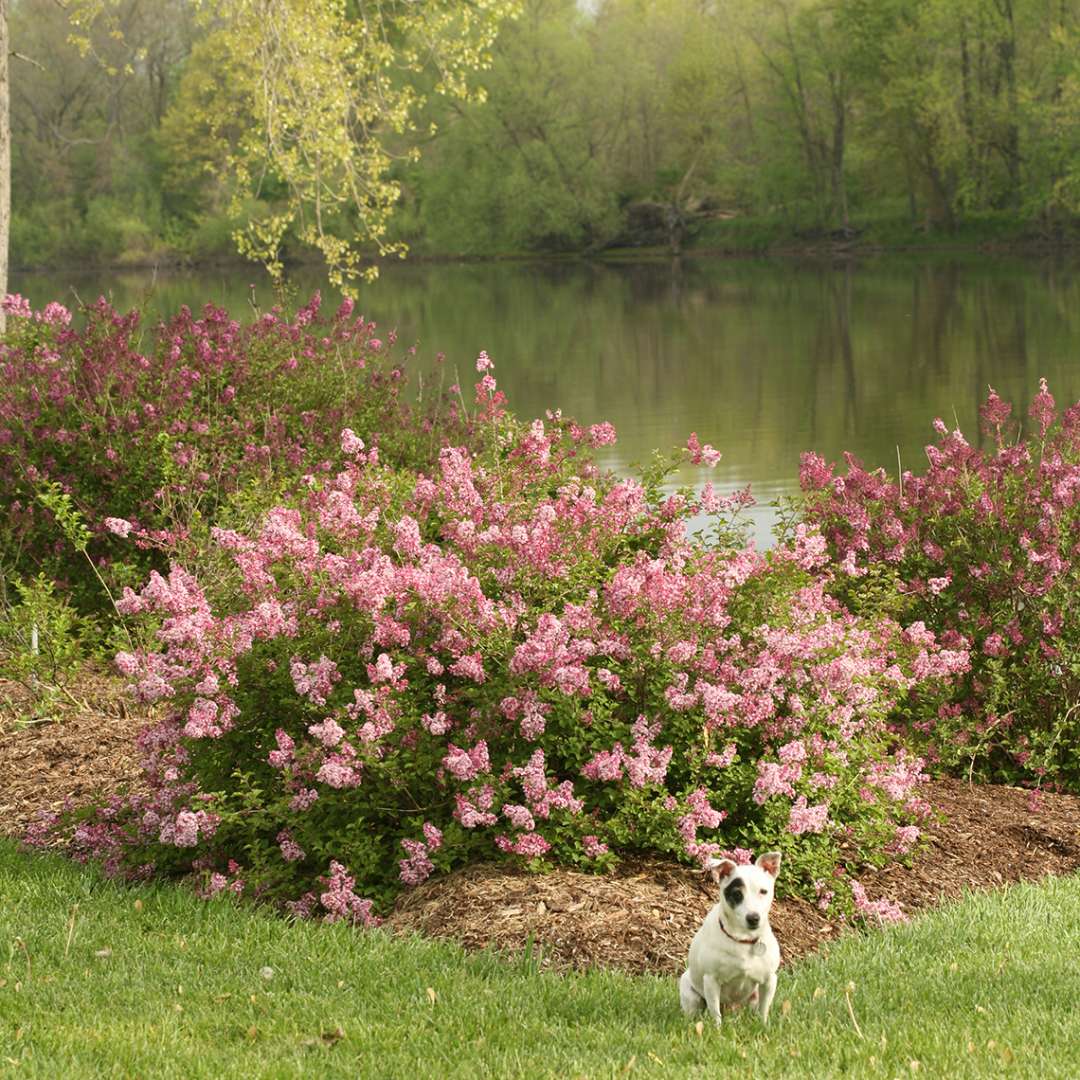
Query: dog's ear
[(770, 862), (720, 868)]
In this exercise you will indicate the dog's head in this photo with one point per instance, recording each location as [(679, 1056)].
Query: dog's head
[(746, 892)]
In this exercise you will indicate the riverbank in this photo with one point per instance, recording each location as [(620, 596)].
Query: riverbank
[(727, 237)]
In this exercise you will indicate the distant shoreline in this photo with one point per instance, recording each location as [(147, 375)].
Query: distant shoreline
[(709, 246)]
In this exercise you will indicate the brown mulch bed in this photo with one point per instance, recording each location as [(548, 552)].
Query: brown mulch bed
[(639, 918), (642, 917), (77, 749)]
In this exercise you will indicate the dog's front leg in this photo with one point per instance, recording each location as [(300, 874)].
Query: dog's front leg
[(712, 996), (765, 996)]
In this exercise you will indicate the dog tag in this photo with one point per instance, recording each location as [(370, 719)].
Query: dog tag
[(759, 948)]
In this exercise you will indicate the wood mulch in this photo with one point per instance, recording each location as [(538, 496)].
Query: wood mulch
[(639, 918), (76, 750), (642, 917)]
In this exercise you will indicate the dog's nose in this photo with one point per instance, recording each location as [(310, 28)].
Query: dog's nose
[(752, 920)]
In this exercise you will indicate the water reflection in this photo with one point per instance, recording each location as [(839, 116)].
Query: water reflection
[(762, 358)]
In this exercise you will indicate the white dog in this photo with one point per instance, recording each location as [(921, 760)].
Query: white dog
[(734, 955)]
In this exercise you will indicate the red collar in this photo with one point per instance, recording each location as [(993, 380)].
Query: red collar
[(740, 941)]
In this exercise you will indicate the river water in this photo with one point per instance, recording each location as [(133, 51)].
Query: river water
[(762, 358)]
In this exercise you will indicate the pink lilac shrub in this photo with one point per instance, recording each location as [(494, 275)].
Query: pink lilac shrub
[(508, 655), (980, 550), (152, 431)]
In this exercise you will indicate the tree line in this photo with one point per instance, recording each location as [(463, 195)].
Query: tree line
[(587, 125)]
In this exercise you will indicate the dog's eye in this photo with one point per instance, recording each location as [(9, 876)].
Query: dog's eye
[(764, 892)]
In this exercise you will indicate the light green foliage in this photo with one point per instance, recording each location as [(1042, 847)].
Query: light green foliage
[(70, 522), (72, 526), (320, 98), (304, 106), (151, 981), (86, 175), (41, 641), (812, 111), (294, 126), (584, 113), (523, 170)]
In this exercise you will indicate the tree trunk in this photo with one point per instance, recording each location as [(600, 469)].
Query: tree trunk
[(941, 208), (802, 113), (5, 156), (744, 93), (912, 197), (968, 110), (839, 147), (1006, 51)]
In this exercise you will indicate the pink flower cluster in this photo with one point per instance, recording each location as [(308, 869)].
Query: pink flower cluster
[(983, 552), (14, 304), (473, 809), (702, 455), (492, 648), (291, 851), (529, 845), (418, 867), (340, 901), (905, 839), (96, 410), (118, 526), (593, 846), (700, 814), (804, 818), (879, 911), (467, 764), (398, 698), (646, 765), (183, 830)]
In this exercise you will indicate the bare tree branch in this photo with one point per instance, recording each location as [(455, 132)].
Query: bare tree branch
[(28, 60)]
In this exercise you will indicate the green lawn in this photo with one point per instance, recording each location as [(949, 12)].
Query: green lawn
[(102, 980)]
